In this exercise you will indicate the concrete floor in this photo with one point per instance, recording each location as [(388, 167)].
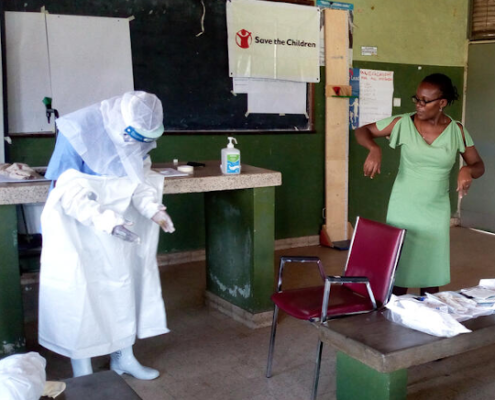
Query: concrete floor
[(209, 356)]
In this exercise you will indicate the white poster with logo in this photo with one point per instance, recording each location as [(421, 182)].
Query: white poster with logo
[(273, 40)]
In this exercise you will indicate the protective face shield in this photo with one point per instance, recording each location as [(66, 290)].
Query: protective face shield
[(143, 114), (136, 115), (98, 133)]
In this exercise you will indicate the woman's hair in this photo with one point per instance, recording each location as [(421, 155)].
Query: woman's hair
[(449, 91)]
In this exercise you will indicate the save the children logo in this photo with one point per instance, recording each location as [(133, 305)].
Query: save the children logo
[(243, 39)]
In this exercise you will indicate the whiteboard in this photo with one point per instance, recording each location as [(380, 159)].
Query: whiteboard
[(28, 73), (75, 60), (90, 60)]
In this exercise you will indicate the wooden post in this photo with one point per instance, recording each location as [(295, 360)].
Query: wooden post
[(337, 126)]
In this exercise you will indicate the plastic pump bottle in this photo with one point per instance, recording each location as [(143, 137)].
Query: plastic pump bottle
[(231, 158)]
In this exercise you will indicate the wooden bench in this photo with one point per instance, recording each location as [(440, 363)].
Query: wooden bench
[(373, 354)]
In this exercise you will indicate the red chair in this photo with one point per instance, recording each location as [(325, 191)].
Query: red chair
[(366, 284)]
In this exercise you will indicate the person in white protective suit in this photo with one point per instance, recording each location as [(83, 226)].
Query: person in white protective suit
[(99, 282)]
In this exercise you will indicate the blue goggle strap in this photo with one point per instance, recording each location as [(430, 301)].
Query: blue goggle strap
[(137, 136)]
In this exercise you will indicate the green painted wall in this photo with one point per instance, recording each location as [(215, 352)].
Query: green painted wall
[(478, 207), (407, 34), (412, 32)]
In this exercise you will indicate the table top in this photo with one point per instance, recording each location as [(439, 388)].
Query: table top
[(105, 385), (387, 347), (204, 179)]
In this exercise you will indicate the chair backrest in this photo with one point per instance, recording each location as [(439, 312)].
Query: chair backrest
[(374, 253)]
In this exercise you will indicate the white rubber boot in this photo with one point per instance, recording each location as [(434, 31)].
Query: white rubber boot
[(81, 367), (123, 361)]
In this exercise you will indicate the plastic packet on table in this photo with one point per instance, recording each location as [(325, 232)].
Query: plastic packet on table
[(461, 307), (479, 292), (424, 315), (487, 283)]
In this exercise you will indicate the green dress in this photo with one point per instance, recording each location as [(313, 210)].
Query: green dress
[(420, 200)]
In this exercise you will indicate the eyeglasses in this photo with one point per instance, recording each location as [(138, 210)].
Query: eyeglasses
[(423, 103)]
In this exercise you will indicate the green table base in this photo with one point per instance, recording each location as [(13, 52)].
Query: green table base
[(240, 245), (11, 314), (357, 381)]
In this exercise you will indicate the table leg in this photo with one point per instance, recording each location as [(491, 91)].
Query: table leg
[(240, 246), (11, 314), (356, 380)]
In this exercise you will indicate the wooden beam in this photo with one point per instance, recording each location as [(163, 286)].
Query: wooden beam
[(337, 125)]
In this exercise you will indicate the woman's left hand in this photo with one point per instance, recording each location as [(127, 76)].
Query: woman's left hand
[(464, 181)]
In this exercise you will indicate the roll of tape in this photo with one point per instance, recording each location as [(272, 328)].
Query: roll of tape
[(188, 169)]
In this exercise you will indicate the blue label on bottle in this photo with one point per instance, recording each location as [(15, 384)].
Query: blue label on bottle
[(233, 163)]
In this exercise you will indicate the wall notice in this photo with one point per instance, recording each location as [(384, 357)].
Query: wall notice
[(376, 89)]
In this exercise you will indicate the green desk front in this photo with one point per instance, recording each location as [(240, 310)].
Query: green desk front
[(11, 315)]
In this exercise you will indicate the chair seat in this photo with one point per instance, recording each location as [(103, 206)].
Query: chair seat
[(305, 303)]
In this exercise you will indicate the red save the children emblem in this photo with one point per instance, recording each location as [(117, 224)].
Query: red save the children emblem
[(243, 39)]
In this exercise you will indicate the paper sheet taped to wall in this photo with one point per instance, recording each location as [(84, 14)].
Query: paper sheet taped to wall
[(376, 90)]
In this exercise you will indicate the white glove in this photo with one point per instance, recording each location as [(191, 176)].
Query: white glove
[(125, 234), (164, 220)]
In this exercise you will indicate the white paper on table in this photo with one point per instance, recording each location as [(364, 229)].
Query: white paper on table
[(168, 172), (479, 292), (270, 96), (90, 60), (376, 89)]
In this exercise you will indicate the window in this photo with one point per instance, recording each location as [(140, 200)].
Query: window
[(482, 20)]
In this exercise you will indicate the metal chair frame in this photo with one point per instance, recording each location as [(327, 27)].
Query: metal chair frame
[(328, 281)]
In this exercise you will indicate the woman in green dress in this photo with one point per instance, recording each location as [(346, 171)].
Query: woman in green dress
[(430, 142)]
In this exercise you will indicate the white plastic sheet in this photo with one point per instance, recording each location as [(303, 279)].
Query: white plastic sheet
[(22, 377), (427, 316)]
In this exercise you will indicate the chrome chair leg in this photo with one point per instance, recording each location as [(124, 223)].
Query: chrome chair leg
[(317, 369), (272, 343)]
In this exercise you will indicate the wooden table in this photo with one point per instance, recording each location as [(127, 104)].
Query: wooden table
[(106, 385), (240, 229), (373, 354)]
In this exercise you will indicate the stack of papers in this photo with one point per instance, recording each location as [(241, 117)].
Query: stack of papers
[(480, 294), (484, 293)]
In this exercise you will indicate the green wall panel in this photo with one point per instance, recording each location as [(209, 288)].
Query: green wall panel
[(478, 207), (408, 32), (33, 151)]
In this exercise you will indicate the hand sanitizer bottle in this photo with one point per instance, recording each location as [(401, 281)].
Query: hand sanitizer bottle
[(231, 158)]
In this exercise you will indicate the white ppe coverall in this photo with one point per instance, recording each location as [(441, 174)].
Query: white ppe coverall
[(98, 292)]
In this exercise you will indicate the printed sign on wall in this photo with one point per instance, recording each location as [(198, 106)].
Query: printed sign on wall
[(273, 40), (354, 101), (376, 90)]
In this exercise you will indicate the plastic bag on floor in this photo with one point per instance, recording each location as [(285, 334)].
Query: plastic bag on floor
[(22, 377), (424, 316)]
